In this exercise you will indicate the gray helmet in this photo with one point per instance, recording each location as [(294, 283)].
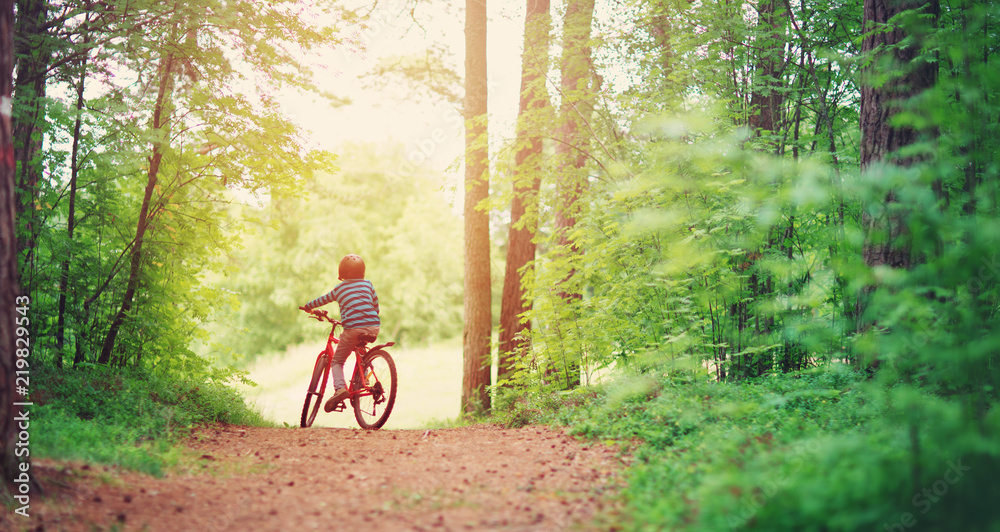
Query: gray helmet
[(352, 267)]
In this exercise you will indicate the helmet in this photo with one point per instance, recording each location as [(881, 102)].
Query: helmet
[(352, 267)]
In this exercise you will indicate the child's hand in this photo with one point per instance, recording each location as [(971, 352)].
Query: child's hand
[(304, 308)]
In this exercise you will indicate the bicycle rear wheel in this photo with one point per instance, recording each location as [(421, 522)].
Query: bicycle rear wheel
[(378, 387), (314, 395)]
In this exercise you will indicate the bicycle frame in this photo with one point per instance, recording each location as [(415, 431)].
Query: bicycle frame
[(360, 351), (374, 377)]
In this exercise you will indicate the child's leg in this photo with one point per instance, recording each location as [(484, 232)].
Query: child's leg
[(348, 339)]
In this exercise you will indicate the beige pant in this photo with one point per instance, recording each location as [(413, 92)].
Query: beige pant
[(348, 340)]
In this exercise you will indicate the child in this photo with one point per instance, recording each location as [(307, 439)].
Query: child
[(359, 314)]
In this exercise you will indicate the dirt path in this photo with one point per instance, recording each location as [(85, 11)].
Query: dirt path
[(472, 478)]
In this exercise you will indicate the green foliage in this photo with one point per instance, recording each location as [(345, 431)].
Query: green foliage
[(209, 83), (710, 241), (936, 322), (713, 251), (132, 419), (401, 223), (724, 279), (812, 450)]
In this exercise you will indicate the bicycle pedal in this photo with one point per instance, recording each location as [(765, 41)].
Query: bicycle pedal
[(340, 407)]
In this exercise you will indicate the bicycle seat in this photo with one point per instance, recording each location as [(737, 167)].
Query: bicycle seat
[(366, 338)]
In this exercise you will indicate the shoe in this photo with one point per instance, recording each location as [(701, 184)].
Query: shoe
[(338, 396)]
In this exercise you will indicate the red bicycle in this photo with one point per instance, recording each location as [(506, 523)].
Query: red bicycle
[(372, 387)]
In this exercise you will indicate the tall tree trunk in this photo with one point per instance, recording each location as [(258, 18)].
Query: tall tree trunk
[(8, 253), (477, 298), (765, 98), (160, 125), (880, 141), (31, 49), (527, 182), (71, 216)]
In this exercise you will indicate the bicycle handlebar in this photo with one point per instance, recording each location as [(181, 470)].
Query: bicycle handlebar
[(320, 315)]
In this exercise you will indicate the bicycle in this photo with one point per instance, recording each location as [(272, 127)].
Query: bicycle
[(372, 387)]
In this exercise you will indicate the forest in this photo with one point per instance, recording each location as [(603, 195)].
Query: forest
[(753, 244)]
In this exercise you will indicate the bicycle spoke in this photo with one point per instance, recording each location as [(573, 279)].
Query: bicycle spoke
[(372, 407)]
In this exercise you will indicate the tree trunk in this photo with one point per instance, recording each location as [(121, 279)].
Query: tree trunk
[(765, 98), (160, 124), (527, 182), (8, 254), (880, 141), (32, 63), (477, 297)]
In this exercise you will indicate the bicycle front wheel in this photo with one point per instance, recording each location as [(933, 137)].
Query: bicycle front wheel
[(314, 395), (378, 391)]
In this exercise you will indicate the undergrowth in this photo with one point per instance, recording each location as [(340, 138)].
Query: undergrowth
[(823, 449), (131, 419)]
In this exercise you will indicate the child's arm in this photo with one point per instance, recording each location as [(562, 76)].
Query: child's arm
[(319, 301)]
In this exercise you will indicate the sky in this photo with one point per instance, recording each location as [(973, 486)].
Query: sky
[(430, 132)]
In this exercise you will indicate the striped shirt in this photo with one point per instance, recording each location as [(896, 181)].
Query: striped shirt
[(358, 303)]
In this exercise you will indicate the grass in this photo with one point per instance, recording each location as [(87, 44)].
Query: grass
[(688, 435), (130, 419), (822, 449)]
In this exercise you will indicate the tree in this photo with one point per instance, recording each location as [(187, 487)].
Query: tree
[(765, 99), (527, 182), (755, 283), (909, 74), (8, 249), (894, 54), (160, 128), (204, 134), (478, 325), (75, 162), (32, 49)]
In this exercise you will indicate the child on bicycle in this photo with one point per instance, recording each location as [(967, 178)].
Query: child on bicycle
[(359, 314)]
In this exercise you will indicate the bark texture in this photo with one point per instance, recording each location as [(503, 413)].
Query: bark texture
[(8, 249), (527, 182), (31, 47), (765, 99), (880, 141), (885, 230), (477, 299)]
